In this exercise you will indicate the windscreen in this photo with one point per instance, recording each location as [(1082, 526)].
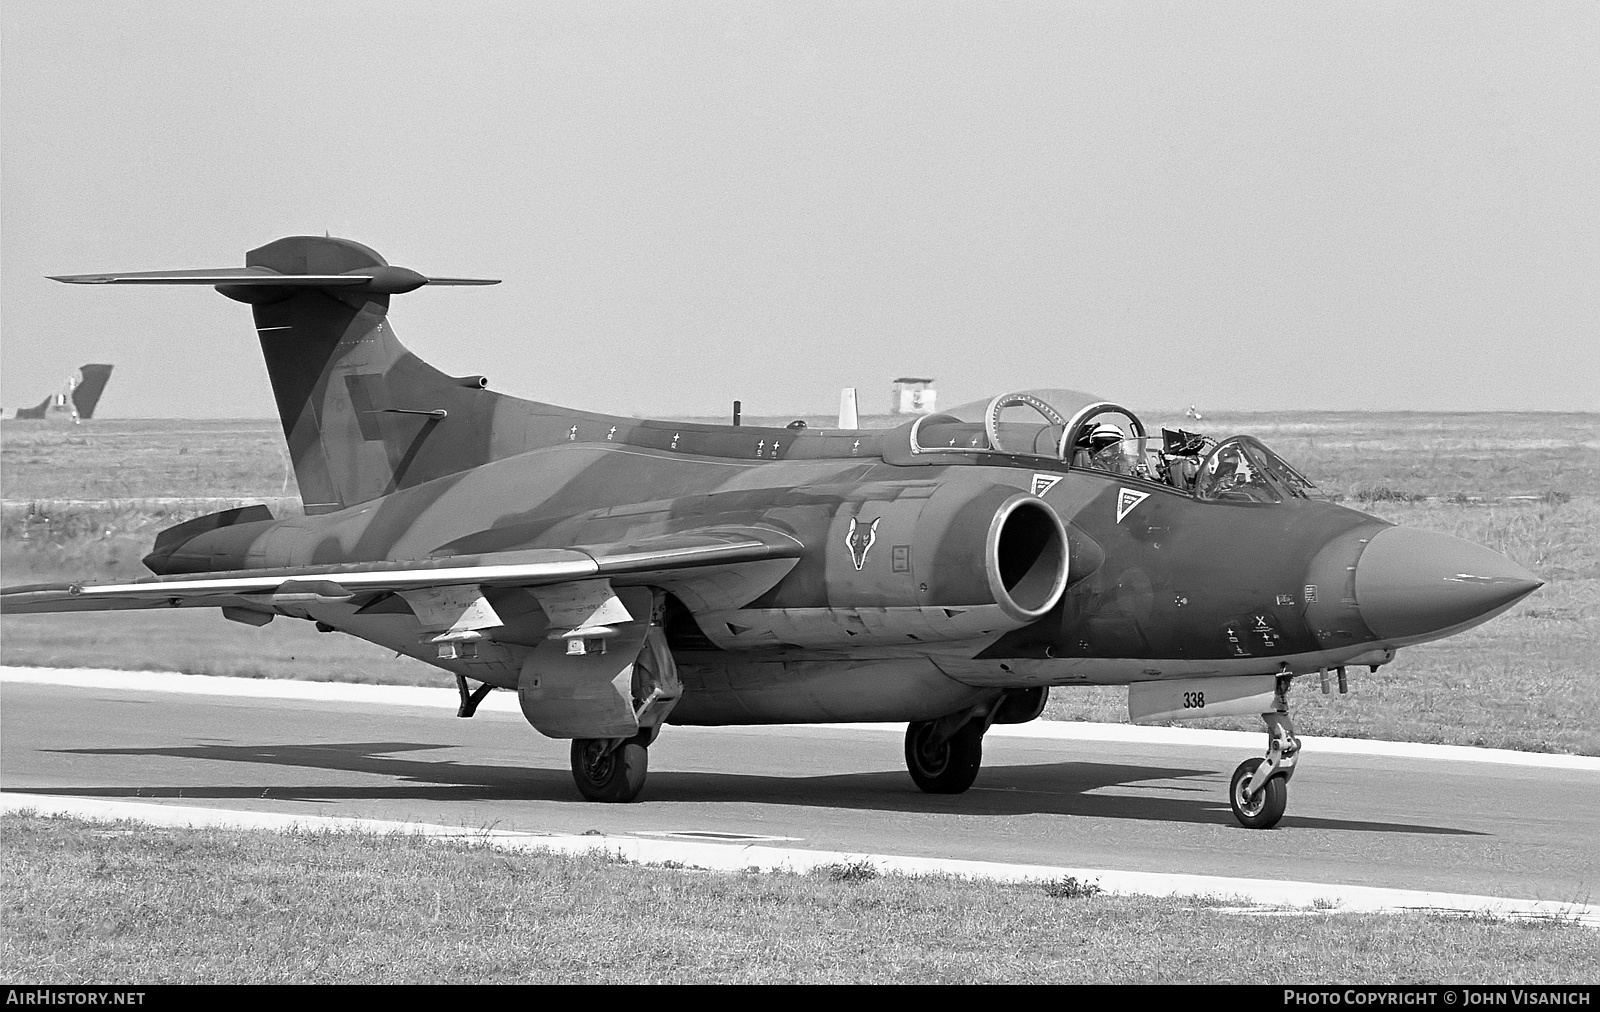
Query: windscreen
[(1242, 469)]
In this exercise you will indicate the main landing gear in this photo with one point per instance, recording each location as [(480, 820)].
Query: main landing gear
[(942, 760), (612, 769), (1258, 792), (943, 755)]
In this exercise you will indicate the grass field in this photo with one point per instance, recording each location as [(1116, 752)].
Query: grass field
[(90, 901), (85, 901), (83, 502), (143, 459)]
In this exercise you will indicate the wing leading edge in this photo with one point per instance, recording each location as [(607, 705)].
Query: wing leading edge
[(674, 559)]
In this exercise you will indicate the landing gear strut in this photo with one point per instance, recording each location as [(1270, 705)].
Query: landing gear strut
[(1258, 792)]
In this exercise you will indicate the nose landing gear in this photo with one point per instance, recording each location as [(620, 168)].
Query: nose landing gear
[(1258, 791)]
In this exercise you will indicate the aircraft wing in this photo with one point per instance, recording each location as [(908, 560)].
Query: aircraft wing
[(704, 564)]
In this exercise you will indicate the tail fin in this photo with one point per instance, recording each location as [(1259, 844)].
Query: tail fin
[(363, 416), (848, 418), (87, 393), (36, 412)]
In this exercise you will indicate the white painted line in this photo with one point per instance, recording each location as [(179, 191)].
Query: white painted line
[(738, 857), (506, 702)]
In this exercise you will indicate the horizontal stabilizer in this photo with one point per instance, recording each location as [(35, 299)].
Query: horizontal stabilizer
[(383, 278), (218, 276)]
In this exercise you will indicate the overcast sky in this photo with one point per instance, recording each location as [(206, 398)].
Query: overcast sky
[(1246, 206)]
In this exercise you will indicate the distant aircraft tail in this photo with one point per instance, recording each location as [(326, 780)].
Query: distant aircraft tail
[(363, 416), (35, 413), (87, 393)]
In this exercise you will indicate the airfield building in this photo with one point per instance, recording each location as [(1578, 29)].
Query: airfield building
[(913, 395)]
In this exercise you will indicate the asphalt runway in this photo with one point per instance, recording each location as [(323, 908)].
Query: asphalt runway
[(1421, 824)]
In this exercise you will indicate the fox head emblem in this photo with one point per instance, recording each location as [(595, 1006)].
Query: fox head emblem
[(860, 541)]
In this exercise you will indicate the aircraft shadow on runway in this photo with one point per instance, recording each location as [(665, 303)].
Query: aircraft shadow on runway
[(1044, 789)]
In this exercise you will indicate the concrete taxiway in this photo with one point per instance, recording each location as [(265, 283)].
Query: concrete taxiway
[(1148, 805)]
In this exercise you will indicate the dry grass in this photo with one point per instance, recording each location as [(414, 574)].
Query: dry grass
[(1558, 540), (95, 901), (52, 540), (142, 458), (200, 642)]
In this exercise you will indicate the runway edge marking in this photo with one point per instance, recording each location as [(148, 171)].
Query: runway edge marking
[(505, 702), (747, 857)]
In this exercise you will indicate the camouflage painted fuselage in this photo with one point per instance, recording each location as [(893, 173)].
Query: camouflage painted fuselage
[(858, 628)]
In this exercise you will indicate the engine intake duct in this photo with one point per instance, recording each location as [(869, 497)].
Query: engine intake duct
[(1025, 558)]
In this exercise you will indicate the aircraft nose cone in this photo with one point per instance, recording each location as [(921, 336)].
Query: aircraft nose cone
[(1418, 585)]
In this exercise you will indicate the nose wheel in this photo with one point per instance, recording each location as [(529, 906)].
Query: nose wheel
[(1263, 808), (1258, 791)]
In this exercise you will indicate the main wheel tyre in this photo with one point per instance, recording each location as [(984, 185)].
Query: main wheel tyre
[(1265, 808), (617, 775), (949, 767)]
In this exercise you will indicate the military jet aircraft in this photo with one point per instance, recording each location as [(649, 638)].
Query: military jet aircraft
[(622, 574)]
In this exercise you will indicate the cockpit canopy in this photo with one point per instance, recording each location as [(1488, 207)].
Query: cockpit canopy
[(1238, 469), (1243, 469)]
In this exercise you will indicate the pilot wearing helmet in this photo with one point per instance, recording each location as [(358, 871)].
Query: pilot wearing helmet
[(1100, 447)]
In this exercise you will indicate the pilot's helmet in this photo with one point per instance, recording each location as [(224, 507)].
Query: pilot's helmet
[(1101, 436)]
